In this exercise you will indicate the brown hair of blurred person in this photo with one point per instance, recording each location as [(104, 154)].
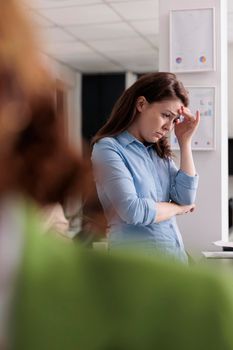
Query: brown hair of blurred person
[(35, 157)]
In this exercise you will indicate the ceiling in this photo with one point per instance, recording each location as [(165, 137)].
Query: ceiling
[(103, 35)]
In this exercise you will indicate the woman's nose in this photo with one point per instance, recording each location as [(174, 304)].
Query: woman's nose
[(168, 126)]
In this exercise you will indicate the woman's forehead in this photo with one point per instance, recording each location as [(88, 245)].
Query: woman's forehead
[(171, 104)]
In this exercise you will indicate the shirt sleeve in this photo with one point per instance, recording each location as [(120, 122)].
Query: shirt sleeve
[(116, 181), (183, 187)]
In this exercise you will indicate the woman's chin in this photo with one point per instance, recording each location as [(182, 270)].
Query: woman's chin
[(155, 139)]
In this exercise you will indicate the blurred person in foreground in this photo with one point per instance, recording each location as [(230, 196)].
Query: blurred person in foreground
[(38, 167), (66, 297)]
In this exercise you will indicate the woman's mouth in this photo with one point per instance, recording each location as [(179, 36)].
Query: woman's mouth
[(159, 134)]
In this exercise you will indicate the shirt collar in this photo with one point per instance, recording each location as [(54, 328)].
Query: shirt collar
[(125, 138)]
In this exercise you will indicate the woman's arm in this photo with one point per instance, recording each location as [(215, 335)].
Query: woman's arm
[(184, 132), (114, 178), (166, 210), (116, 182), (186, 159), (184, 182)]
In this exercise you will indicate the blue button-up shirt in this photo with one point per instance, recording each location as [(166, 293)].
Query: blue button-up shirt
[(130, 179)]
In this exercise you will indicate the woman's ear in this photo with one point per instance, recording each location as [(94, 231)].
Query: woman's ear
[(140, 103)]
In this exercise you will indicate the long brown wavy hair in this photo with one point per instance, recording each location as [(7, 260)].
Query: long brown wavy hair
[(155, 87)]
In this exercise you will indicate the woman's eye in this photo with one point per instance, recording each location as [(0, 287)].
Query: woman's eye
[(165, 115)]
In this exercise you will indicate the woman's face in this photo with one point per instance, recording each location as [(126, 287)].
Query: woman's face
[(154, 120)]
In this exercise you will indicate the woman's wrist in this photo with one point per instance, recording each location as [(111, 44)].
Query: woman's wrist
[(185, 143), (176, 208)]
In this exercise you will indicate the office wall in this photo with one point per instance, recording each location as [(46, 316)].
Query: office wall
[(74, 111), (230, 90), (230, 105), (72, 82), (209, 222)]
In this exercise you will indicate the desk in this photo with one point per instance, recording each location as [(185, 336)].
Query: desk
[(218, 254)]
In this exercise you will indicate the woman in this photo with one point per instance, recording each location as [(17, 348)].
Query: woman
[(138, 184)]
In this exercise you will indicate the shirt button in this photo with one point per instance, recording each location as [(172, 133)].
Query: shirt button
[(171, 226)]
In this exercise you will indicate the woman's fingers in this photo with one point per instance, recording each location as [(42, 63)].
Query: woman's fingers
[(188, 116), (189, 208), (186, 113)]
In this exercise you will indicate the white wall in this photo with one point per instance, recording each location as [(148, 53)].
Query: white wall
[(74, 112), (130, 79), (72, 81), (209, 222), (230, 105), (230, 89)]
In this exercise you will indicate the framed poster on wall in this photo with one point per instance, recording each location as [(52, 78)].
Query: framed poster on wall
[(202, 99), (192, 40)]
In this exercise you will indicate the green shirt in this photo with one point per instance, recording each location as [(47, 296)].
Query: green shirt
[(70, 298)]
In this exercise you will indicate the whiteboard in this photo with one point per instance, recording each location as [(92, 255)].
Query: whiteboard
[(192, 41), (202, 99)]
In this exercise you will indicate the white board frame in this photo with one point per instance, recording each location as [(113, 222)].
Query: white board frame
[(175, 146), (174, 38)]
